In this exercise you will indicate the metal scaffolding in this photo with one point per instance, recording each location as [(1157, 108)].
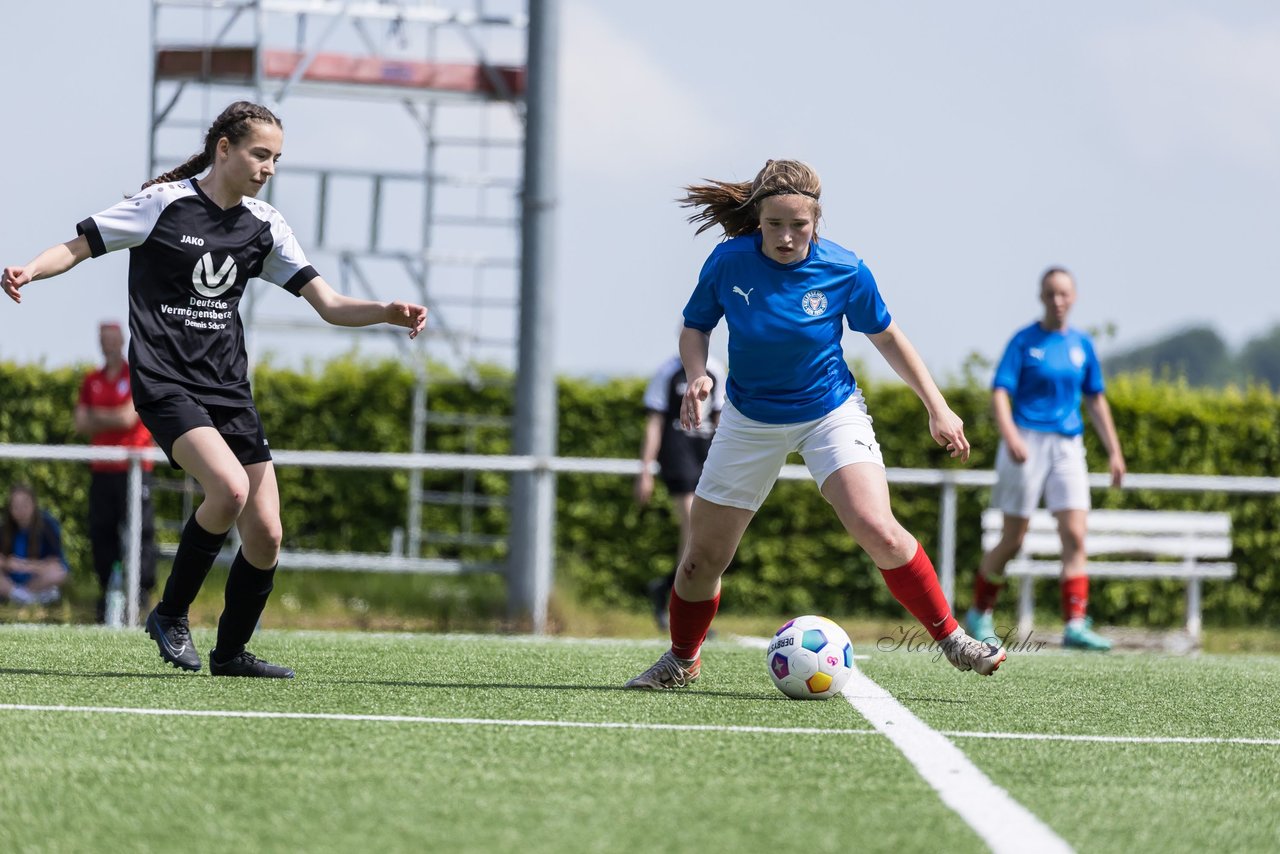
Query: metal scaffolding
[(426, 205)]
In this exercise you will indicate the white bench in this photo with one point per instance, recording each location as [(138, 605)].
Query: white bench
[(1190, 537)]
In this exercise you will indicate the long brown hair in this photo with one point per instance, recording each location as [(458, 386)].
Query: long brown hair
[(233, 123), (735, 206), (9, 530)]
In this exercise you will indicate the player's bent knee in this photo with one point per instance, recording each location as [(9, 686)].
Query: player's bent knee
[(262, 540), (703, 565), (1011, 544), (879, 536)]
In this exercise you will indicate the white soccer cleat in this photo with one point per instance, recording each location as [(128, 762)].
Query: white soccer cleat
[(667, 672), (965, 653)]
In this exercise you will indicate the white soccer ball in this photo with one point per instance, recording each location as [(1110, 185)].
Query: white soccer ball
[(810, 658)]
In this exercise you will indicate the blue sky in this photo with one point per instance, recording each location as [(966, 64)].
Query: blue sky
[(963, 148)]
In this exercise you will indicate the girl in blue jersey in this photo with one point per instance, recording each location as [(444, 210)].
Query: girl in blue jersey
[(785, 295), (1045, 370), (194, 243)]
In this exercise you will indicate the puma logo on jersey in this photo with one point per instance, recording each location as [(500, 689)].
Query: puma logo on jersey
[(210, 282), (1036, 353), (746, 295), (194, 241)]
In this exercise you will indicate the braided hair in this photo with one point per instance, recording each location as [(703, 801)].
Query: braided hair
[(233, 123), (735, 206)]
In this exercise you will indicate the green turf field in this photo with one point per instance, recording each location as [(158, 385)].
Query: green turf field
[(495, 744)]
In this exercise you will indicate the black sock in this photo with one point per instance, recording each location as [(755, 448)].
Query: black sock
[(247, 590), (197, 549)]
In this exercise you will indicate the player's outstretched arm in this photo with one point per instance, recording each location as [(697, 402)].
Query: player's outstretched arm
[(51, 262), (944, 425), (342, 310)]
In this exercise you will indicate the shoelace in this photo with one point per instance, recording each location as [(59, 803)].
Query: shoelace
[(965, 646), (676, 671), (661, 669)]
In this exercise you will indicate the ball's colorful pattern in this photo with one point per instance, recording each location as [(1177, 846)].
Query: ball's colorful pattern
[(810, 658)]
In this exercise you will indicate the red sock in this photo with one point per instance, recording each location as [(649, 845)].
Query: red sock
[(1075, 597), (689, 624), (915, 585), (985, 593)]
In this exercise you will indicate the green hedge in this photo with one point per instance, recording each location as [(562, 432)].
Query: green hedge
[(795, 557)]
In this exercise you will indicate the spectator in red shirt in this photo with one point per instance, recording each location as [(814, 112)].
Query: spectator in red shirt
[(106, 415)]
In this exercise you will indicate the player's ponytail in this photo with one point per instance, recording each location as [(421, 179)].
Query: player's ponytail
[(233, 123), (195, 164), (735, 206)]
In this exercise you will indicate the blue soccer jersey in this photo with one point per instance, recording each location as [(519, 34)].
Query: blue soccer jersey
[(785, 323), (1046, 372)]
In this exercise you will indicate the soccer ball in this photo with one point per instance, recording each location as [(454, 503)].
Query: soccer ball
[(810, 658)]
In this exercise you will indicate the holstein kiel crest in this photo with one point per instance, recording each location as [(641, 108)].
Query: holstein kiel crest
[(814, 303)]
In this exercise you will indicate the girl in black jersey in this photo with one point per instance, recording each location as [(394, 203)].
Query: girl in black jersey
[(193, 246)]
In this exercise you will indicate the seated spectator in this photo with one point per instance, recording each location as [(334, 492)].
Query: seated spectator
[(32, 566)]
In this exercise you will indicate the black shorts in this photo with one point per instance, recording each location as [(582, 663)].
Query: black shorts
[(680, 460), (171, 416)]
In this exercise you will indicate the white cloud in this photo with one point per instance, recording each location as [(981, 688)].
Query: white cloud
[(1194, 85)]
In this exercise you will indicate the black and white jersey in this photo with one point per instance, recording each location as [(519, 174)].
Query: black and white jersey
[(189, 263), (665, 393), (682, 452)]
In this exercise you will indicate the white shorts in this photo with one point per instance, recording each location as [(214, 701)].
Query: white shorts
[(1055, 467), (746, 455)]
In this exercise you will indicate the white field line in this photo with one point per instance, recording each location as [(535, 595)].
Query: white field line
[(363, 636), (1003, 824), (1113, 739), (417, 719)]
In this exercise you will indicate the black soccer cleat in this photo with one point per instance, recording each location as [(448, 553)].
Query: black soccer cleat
[(247, 664), (173, 636)]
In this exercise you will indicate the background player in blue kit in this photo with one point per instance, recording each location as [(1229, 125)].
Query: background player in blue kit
[(1046, 369), (785, 295), (194, 244), (680, 454)]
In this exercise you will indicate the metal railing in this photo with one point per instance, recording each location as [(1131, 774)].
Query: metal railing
[(948, 481)]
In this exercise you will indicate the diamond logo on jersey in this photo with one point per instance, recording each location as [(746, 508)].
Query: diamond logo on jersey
[(210, 281), (814, 303)]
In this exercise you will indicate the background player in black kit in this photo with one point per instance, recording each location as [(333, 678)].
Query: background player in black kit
[(679, 453), (194, 245)]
